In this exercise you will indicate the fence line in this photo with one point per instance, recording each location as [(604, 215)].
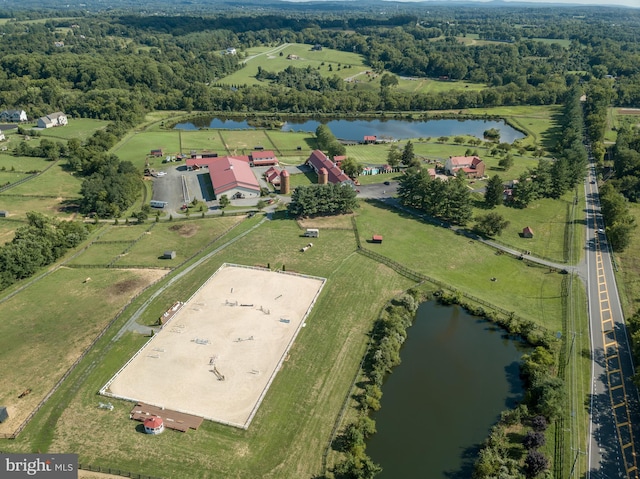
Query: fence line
[(117, 472), (23, 180)]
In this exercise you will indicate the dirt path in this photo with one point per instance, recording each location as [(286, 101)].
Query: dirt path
[(268, 52)]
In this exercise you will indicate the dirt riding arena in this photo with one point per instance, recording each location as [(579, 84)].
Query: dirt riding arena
[(217, 356)]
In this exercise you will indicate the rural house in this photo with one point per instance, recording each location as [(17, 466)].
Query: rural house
[(472, 166), (527, 232), (54, 119), (13, 116)]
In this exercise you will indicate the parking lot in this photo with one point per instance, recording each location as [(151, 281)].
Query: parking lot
[(169, 187)]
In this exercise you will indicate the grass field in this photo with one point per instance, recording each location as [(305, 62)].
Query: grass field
[(628, 274), (22, 164), (80, 128), (135, 148), (243, 142), (469, 265), (550, 218), (18, 206), (274, 60), (45, 328)]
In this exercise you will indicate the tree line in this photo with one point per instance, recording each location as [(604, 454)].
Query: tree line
[(39, 243)]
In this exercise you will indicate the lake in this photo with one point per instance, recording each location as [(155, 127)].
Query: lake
[(458, 373), (357, 129)]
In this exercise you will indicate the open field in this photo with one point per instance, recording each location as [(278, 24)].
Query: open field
[(46, 328), (201, 140), (224, 346), (80, 128), (19, 205), (469, 265), (549, 216), (144, 245), (184, 237), (628, 274), (55, 182), (135, 148), (243, 142), (8, 228), (284, 440), (275, 60), (22, 164)]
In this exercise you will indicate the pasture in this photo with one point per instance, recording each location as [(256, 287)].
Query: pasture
[(46, 327), (469, 265), (284, 439), (548, 218), (135, 148), (327, 61)]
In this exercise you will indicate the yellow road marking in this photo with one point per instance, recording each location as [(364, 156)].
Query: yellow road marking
[(609, 341)]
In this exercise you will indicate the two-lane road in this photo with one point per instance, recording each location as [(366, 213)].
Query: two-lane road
[(614, 399)]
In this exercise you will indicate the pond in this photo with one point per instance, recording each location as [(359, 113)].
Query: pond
[(356, 130), (458, 373)]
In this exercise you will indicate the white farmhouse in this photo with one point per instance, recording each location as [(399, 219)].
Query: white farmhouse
[(54, 119)]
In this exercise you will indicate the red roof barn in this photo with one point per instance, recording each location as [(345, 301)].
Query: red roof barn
[(230, 175), (527, 232), (319, 160)]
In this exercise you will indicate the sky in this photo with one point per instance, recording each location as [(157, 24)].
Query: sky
[(606, 3)]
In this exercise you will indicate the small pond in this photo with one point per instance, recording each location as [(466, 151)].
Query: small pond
[(458, 373)]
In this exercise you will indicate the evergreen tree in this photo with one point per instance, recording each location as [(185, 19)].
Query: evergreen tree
[(494, 192)]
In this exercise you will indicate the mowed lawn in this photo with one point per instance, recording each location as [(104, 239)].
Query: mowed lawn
[(137, 147), (548, 219), (467, 265), (80, 128)]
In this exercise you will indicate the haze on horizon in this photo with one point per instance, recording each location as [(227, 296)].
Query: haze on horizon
[(590, 3)]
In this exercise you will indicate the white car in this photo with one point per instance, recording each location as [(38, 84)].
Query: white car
[(600, 230), (161, 173)]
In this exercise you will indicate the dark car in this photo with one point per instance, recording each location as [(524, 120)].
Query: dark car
[(387, 183)]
